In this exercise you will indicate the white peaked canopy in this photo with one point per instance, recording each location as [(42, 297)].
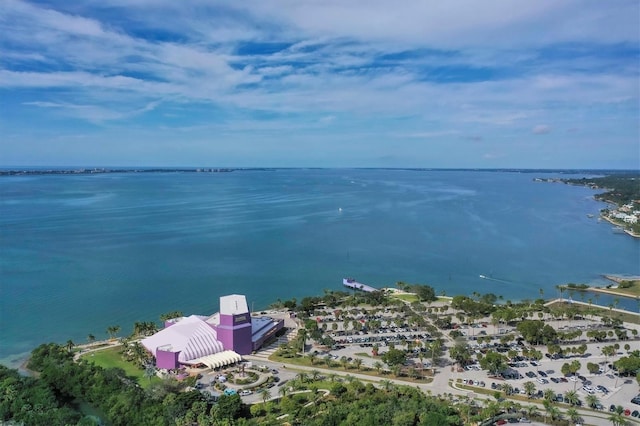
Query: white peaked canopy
[(192, 336), (218, 360)]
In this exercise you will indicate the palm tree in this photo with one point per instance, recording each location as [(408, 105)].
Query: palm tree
[(397, 369), (560, 289), (574, 416), (302, 377), (344, 362), (571, 397), (113, 330), (302, 338), (149, 372), (69, 345), (312, 357), (617, 419), (327, 360), (387, 385), (530, 388), (315, 375), (592, 401), (357, 362), (507, 389), (551, 410), (532, 410), (548, 395), (378, 366), (265, 395), (282, 391), (138, 327), (91, 338)]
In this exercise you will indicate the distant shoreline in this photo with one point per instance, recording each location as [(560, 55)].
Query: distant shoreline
[(626, 231), (101, 170)]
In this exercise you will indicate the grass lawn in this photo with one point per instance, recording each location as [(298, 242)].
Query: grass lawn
[(597, 310), (633, 291), (405, 297), (111, 357), (324, 369)]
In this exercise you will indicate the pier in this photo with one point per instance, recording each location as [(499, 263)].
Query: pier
[(352, 283)]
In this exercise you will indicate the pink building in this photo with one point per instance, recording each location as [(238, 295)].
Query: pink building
[(216, 340)]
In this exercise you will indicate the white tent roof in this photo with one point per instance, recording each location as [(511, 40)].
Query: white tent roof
[(192, 336), (218, 360)]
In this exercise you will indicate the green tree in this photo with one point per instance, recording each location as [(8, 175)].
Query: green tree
[(571, 397), (530, 388), (574, 416), (227, 408), (461, 354), (357, 362), (617, 419), (265, 395), (537, 332), (494, 362), (592, 401), (344, 362), (149, 372), (394, 357), (113, 331)]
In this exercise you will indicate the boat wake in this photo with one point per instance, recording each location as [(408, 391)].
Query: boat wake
[(484, 277)]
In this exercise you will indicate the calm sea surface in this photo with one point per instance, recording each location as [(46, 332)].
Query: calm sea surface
[(81, 253)]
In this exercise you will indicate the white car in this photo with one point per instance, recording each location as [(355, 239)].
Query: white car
[(245, 392)]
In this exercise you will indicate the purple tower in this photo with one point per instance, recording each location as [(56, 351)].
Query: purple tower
[(234, 329)]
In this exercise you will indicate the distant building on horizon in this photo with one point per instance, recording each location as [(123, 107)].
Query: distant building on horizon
[(214, 341)]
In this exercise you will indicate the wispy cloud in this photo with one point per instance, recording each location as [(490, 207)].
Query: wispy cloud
[(450, 71), (541, 129)]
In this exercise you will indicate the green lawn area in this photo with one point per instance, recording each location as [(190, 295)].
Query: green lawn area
[(111, 357), (597, 310), (410, 297), (633, 290), (324, 369)]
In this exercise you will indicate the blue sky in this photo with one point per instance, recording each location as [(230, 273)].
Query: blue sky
[(328, 83)]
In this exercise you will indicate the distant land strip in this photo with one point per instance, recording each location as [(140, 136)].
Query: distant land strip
[(93, 171), (48, 170)]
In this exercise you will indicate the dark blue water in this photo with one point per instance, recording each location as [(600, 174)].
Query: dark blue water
[(81, 253)]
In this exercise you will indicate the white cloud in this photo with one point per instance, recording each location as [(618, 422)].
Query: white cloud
[(541, 129), (355, 61)]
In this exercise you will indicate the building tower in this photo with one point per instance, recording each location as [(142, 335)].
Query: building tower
[(234, 329)]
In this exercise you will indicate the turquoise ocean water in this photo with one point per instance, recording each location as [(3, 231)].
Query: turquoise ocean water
[(81, 253)]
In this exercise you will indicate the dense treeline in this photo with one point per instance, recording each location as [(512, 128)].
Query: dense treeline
[(120, 398), (31, 402), (622, 188), (50, 399), (359, 404)]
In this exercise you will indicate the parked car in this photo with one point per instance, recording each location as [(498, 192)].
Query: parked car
[(245, 392)]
